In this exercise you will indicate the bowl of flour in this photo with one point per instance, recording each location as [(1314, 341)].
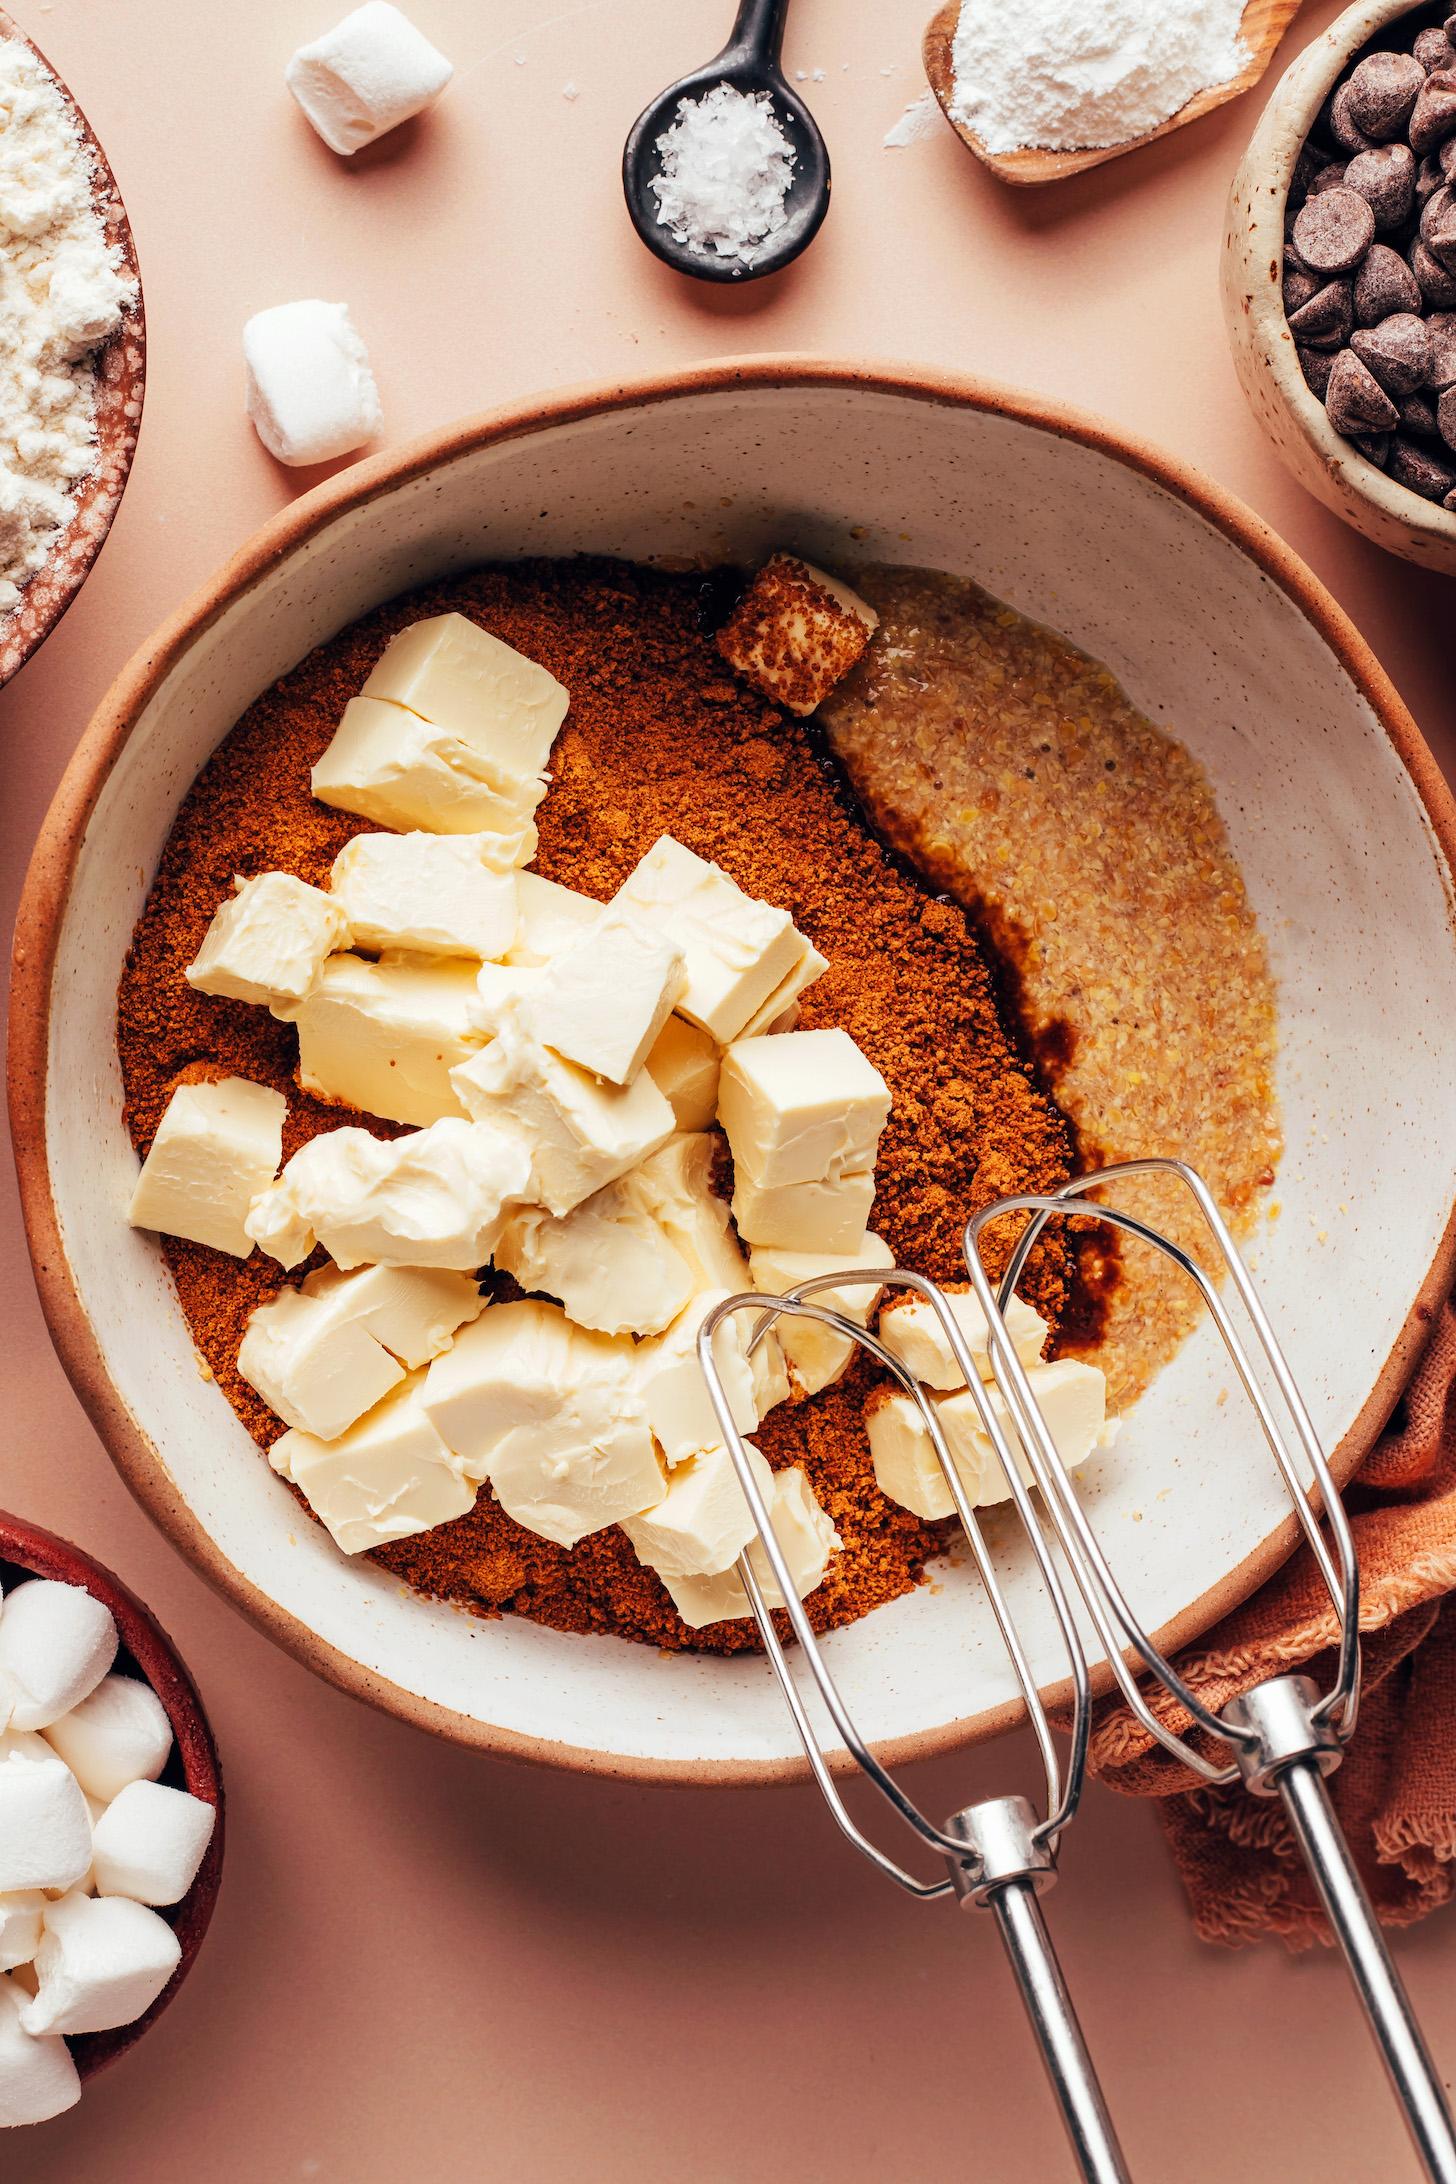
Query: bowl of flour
[(72, 348)]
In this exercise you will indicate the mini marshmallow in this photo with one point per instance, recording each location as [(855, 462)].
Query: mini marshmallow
[(150, 1842), (311, 394), (20, 1915), (56, 1644), (38, 2078), (365, 76), (102, 1961), (120, 1734), (45, 1829)]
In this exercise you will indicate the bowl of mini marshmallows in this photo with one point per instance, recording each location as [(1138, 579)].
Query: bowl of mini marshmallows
[(72, 348), (110, 1821), (1339, 274)]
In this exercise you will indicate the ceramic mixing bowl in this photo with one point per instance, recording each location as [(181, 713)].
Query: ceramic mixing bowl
[(1339, 818), (1322, 459), (145, 1651)]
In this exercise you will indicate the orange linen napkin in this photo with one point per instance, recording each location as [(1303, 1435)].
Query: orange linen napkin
[(1396, 1788)]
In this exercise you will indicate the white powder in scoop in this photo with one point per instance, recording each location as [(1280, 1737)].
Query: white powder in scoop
[(726, 170), (62, 293), (1070, 78)]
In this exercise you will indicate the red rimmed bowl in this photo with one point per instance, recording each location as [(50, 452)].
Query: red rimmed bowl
[(146, 1652), (121, 370)]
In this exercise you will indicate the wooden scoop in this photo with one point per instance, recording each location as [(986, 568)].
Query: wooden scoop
[(1264, 24)]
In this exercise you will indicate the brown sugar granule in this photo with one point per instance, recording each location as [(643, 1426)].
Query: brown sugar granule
[(656, 740)]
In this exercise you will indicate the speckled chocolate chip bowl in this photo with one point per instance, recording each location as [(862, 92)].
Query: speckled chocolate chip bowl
[(1332, 295), (1217, 634)]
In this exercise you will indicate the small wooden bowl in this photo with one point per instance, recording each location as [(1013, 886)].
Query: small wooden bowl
[(145, 1651), (120, 383), (1327, 464)]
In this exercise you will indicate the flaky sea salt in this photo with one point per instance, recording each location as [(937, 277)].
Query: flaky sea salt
[(725, 173)]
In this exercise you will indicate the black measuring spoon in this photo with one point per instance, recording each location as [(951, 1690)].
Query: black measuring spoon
[(749, 62)]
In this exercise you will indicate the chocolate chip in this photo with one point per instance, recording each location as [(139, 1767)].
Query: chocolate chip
[(1397, 352), (1438, 283), (1383, 283), (1438, 226), (1446, 159), (1334, 230), (1386, 179), (1450, 501), (1383, 89), (1434, 117), (1434, 50), (1299, 285), (1374, 446), (1446, 417), (1441, 326), (1429, 178), (1418, 415), (1342, 125), (1317, 365), (1356, 402), (1311, 161), (1424, 472), (1328, 178), (1327, 318)]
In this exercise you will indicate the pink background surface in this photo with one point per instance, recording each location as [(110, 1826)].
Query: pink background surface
[(424, 1963)]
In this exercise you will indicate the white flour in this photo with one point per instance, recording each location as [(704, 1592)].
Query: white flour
[(1071, 77), (61, 294)]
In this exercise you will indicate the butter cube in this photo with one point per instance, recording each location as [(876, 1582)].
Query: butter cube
[(703, 1522), (675, 1393), (369, 73), (806, 1538), (801, 1106), (826, 1216), (608, 1261), (795, 632), (502, 706), (817, 1354), (323, 1354), (435, 1197), (217, 1146), (780, 1011), (385, 1036), (736, 950), (675, 1185), (683, 1063), (500, 988), (389, 1477), (388, 765), (1073, 1400), (432, 893), (550, 1414), (604, 999), (268, 941), (911, 1329), (580, 1134), (552, 918)]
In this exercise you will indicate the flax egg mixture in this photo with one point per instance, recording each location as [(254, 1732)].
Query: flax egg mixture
[(504, 999)]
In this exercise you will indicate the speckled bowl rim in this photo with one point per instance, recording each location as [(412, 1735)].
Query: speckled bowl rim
[(1289, 116), (121, 374), (48, 884), (45, 1554)]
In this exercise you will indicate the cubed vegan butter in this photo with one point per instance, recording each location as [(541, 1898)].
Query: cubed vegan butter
[(799, 1106), (388, 1477), (267, 942), (606, 996), (216, 1147), (385, 1036), (434, 894), (735, 950)]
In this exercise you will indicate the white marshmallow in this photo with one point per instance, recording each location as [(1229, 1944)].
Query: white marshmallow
[(150, 1842), (38, 2078), (369, 73), (119, 1734), (102, 1961), (20, 1916), (45, 1829), (56, 1644), (310, 392)]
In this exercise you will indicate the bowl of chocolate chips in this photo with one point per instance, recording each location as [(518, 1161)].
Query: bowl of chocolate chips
[(1339, 274)]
